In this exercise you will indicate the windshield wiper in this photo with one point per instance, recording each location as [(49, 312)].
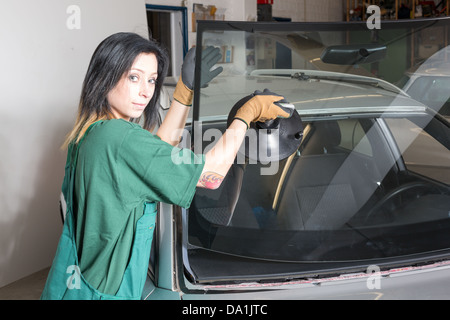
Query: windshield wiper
[(304, 75), (378, 83)]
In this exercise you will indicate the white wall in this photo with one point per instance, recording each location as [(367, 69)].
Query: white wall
[(42, 65)]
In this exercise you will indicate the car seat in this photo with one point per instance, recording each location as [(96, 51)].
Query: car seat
[(323, 188)]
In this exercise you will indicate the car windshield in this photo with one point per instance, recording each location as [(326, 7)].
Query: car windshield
[(364, 176)]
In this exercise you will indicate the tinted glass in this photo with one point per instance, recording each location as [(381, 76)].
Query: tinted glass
[(342, 195), (254, 54), (369, 183)]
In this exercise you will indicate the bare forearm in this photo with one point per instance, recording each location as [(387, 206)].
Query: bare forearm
[(171, 128), (220, 158)]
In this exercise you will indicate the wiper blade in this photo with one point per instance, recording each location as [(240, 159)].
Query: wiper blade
[(305, 75), (349, 79)]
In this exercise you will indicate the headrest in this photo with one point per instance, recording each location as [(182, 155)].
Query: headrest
[(322, 136)]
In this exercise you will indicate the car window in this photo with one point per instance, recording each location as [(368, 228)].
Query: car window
[(433, 91), (421, 152), (354, 138)]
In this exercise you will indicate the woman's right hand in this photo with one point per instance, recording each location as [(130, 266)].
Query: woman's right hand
[(264, 106)]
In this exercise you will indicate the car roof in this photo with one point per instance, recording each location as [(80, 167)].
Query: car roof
[(311, 92), (430, 69)]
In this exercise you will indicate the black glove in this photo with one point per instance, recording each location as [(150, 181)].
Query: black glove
[(185, 86), (210, 56)]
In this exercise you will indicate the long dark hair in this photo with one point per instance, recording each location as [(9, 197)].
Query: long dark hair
[(113, 57)]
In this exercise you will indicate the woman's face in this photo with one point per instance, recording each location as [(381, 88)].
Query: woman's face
[(134, 90)]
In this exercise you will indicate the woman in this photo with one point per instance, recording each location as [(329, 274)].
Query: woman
[(117, 171)]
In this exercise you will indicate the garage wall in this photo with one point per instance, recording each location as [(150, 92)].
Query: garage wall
[(46, 47), (309, 10)]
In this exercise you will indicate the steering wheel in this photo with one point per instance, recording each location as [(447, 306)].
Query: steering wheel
[(396, 192)]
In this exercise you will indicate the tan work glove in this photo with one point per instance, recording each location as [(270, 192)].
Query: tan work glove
[(264, 106)]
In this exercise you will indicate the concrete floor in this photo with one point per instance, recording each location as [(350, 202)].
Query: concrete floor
[(28, 288)]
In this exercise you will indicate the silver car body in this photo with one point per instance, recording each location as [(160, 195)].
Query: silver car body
[(429, 84)]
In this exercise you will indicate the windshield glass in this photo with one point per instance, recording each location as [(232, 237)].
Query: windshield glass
[(255, 56), (368, 182)]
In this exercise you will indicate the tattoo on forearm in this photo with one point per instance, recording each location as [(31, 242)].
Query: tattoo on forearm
[(211, 180)]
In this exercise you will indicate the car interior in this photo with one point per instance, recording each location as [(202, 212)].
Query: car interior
[(340, 171), (343, 188)]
